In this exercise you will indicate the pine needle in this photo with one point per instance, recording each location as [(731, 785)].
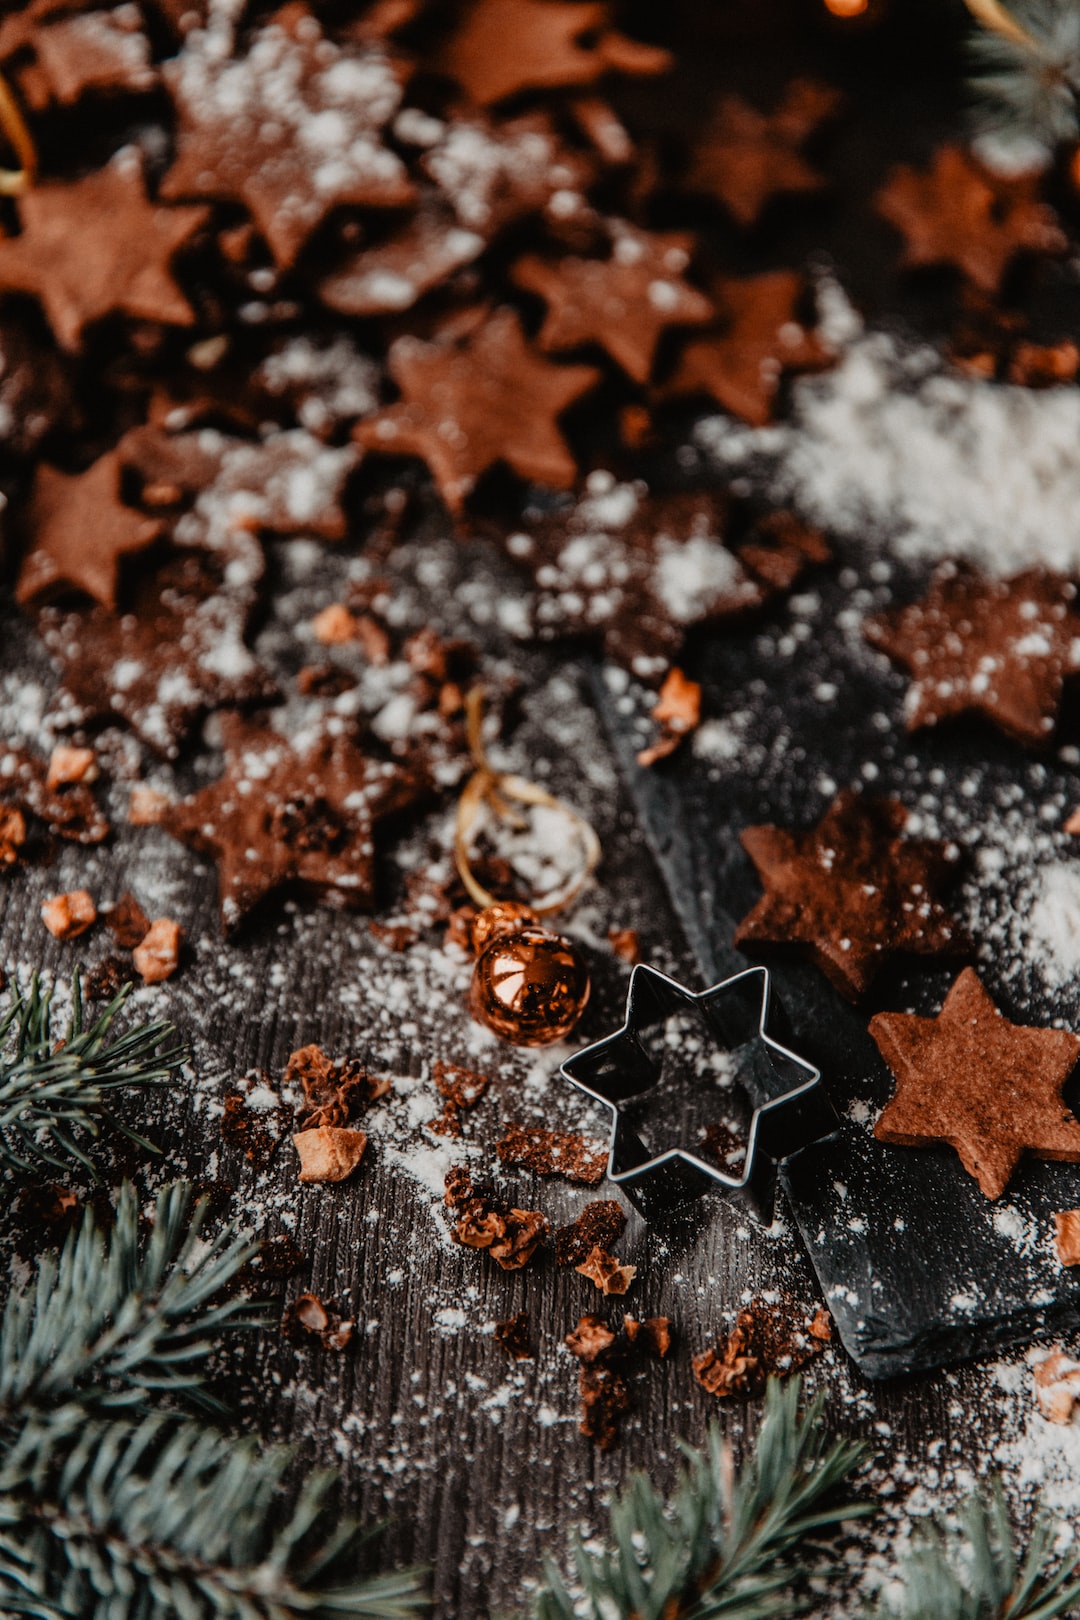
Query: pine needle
[(55, 1094), (724, 1545)]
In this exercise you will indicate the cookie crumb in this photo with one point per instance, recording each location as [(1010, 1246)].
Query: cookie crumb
[(66, 916), (329, 1152)]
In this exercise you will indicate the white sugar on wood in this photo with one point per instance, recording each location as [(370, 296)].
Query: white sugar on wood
[(892, 446)]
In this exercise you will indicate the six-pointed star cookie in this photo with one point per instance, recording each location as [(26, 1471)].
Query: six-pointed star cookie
[(851, 892), (748, 157), (742, 367), (79, 528), (95, 247), (788, 1109), (504, 46), (956, 214), (990, 1089), (292, 129), (282, 817), (468, 404), (623, 302), (997, 647)]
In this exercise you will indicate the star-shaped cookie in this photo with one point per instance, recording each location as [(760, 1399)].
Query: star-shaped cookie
[(504, 46), (292, 128), (996, 647), (742, 367), (747, 157), (287, 818), (79, 528), (957, 214), (623, 302), (469, 403), (97, 246), (986, 1087), (851, 892), (787, 1107)]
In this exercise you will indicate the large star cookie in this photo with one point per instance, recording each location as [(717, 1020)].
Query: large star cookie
[(988, 1088)]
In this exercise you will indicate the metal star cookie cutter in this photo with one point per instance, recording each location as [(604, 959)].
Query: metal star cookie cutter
[(789, 1106)]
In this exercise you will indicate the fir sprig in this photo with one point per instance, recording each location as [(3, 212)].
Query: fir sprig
[(720, 1547), (154, 1520), (971, 1569), (110, 1319), (54, 1093), (1027, 69)]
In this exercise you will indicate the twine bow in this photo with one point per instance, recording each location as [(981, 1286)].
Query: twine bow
[(14, 182)]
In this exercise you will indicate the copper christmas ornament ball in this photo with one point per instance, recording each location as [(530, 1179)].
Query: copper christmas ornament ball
[(502, 917), (530, 987)]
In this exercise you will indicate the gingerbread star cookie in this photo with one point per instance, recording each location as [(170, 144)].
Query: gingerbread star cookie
[(493, 173), (468, 403), (996, 647), (851, 892), (72, 52), (288, 818), (986, 1087), (747, 157), (79, 529), (624, 302), (743, 366), (957, 214), (390, 277), (292, 128), (502, 47), (97, 246)]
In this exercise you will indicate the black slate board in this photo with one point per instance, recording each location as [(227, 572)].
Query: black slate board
[(918, 1268)]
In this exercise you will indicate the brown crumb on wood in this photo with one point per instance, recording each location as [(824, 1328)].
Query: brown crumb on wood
[(600, 1225), (333, 1092), (1067, 1236), (677, 713), (105, 979), (609, 1275), (1073, 823), (12, 834), (513, 1335), (157, 955), (146, 806), (68, 765), (626, 944), (126, 921), (278, 1258), (334, 626), (609, 1362), (1057, 1386), (553, 1153), (766, 1339), (66, 916), (511, 1236), (329, 1152), (308, 1318), (590, 1339), (462, 1089), (653, 1335), (241, 1128)]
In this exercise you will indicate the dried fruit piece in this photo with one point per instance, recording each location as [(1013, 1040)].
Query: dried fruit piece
[(66, 916), (609, 1274), (157, 955), (329, 1152)]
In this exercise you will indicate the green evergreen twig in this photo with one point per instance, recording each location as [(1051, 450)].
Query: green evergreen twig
[(1027, 69), (971, 1569), (721, 1546), (52, 1093)]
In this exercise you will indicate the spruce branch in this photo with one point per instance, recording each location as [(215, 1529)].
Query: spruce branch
[(971, 1570), (1027, 69), (723, 1545), (154, 1519), (54, 1094), (112, 1318)]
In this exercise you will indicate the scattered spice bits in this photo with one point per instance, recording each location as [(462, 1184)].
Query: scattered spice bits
[(609, 1361), (766, 1340), (157, 955), (948, 1085), (999, 648), (334, 626), (851, 892), (625, 944), (513, 1335), (554, 1153), (146, 806), (1057, 1386), (677, 712), (105, 979), (66, 916), (333, 1092), (462, 1089), (511, 1236), (278, 1258), (609, 1274), (71, 812), (12, 834), (1067, 1236), (67, 765), (126, 921), (242, 1128), (329, 1152), (600, 1225), (307, 1318), (958, 214)]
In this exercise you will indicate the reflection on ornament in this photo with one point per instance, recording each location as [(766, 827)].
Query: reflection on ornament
[(847, 8), (529, 986)]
